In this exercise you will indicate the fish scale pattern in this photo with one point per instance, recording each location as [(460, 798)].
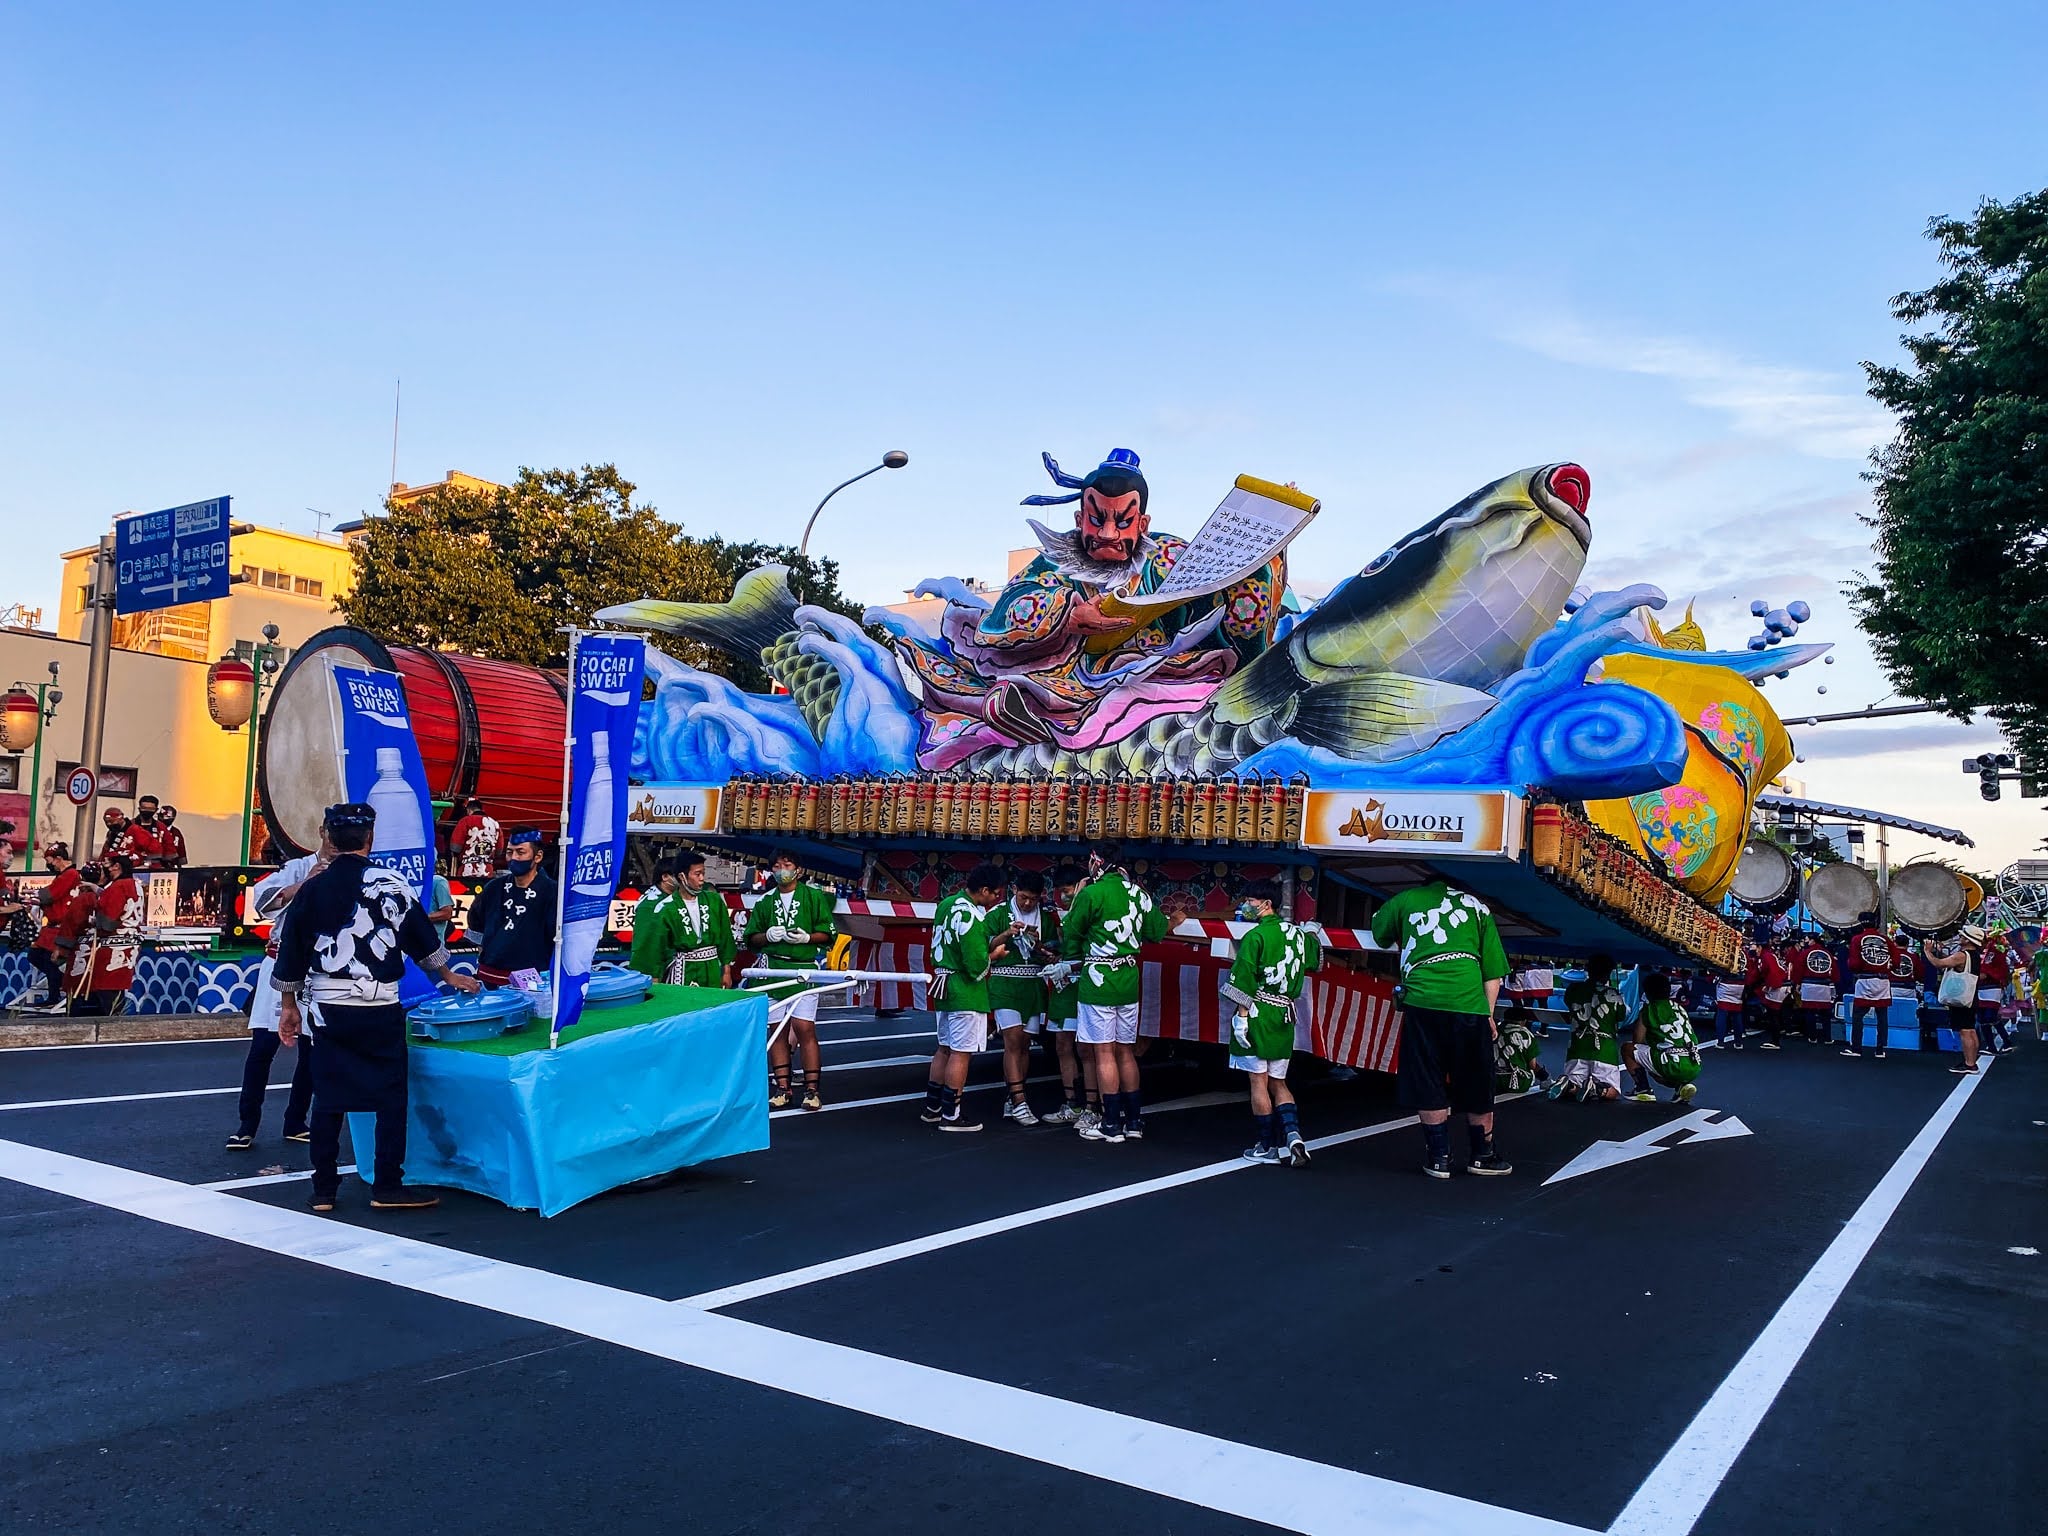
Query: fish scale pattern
[(811, 680)]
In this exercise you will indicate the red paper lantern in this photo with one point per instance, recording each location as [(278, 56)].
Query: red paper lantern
[(21, 718), (231, 692)]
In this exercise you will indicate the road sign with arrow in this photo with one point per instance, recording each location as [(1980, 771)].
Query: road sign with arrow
[(1699, 1125)]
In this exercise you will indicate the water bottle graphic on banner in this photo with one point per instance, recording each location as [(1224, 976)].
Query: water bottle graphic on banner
[(399, 830), (595, 857)]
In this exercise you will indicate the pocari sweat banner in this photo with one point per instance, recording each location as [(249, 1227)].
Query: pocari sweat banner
[(381, 767), (605, 672)]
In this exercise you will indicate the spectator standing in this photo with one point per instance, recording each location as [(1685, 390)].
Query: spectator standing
[(1957, 955), (476, 843), (441, 910), (512, 920), (171, 853), (269, 899), (45, 956), (1452, 966)]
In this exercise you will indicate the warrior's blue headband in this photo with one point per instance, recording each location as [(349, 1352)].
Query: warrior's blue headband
[(1120, 460)]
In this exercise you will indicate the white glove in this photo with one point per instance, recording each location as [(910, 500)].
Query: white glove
[(777, 935), (1241, 1032), (1058, 976)]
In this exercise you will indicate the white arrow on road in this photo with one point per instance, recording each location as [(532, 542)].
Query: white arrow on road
[(1698, 1125)]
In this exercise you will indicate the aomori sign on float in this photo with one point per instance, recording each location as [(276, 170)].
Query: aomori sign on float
[(1482, 824), (674, 808)]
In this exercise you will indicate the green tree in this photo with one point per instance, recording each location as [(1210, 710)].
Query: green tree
[(1957, 609), (501, 572)]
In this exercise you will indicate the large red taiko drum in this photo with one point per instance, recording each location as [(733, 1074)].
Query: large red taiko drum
[(486, 728)]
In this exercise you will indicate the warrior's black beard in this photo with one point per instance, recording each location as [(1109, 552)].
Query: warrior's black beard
[(1063, 549)]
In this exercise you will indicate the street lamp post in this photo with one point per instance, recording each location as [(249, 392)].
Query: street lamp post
[(25, 716), (895, 458), (234, 698)]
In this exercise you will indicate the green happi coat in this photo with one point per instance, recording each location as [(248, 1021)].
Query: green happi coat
[(1110, 918), (803, 907), (1015, 982), (654, 938), (1449, 946), (1674, 1050), (1272, 966), (1515, 1051), (1597, 1014), (960, 945), (704, 941)]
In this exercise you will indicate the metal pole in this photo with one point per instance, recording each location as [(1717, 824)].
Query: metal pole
[(1884, 879), (35, 779), (804, 544), (102, 607), (1287, 892), (562, 870), (249, 773)]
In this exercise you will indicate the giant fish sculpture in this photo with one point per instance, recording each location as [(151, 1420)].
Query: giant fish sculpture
[(1397, 658)]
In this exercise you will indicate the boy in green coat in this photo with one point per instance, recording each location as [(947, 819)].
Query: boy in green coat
[(1016, 988), (965, 947), (1100, 936), (1664, 1047), (1592, 1062), (1272, 966), (787, 928), (1517, 1063), (702, 922), (654, 938), (1063, 1012)]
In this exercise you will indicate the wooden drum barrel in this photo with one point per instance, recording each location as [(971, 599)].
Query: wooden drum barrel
[(486, 728)]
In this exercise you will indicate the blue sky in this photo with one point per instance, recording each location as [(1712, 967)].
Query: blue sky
[(1388, 253)]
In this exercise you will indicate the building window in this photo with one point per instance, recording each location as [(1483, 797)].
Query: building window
[(274, 580), (306, 587), (84, 597)]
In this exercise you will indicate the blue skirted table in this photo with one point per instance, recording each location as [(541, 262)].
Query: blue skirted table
[(632, 1092)]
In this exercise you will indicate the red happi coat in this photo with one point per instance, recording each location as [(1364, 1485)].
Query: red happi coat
[(117, 918)]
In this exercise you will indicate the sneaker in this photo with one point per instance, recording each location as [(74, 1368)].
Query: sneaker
[(1642, 1096), (1261, 1154), (1686, 1091), (1297, 1150), (241, 1141), (1962, 1071), (403, 1200), (1134, 1130), (1019, 1114), (300, 1136), (960, 1123), (1492, 1166), (779, 1099), (813, 1101), (1092, 1129), (1438, 1167), (931, 1116), (1086, 1118), (1066, 1114), (1555, 1090), (1768, 1045)]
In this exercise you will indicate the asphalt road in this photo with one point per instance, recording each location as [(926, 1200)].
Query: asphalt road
[(1818, 1316)]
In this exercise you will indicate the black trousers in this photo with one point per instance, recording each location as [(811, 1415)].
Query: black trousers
[(263, 1048), (51, 969), (359, 1064)]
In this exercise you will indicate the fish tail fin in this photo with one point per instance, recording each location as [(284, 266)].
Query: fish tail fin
[(1381, 716), (1260, 689), (761, 610)]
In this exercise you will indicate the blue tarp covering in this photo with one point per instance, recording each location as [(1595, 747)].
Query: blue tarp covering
[(544, 1129)]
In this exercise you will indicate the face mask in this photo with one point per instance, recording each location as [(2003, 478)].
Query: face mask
[(1247, 913), (519, 866), (785, 877)]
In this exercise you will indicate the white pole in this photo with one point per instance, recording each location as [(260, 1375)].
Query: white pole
[(561, 842)]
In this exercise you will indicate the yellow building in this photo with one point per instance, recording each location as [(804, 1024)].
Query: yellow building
[(288, 579), (403, 495)]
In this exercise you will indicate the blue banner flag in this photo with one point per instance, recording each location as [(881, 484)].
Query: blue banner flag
[(381, 767), (605, 673)]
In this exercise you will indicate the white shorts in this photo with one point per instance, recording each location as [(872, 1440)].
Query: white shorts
[(960, 1031), (1605, 1073), (805, 1007), (1816, 992), (1276, 1070), (1010, 1018), (1108, 1024)]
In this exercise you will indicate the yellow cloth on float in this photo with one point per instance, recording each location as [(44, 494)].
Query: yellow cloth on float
[(1694, 829)]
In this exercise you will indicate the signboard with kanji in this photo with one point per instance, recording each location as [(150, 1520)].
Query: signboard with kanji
[(178, 555)]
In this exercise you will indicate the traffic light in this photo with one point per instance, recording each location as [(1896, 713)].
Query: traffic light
[(1988, 767)]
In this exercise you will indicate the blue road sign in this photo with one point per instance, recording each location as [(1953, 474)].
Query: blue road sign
[(178, 555)]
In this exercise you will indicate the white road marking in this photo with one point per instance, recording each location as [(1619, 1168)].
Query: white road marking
[(1699, 1125), (121, 1045), (1248, 1481), (1677, 1491), (811, 1274), (136, 1098), (915, 1034), (2024, 1253), (258, 1181)]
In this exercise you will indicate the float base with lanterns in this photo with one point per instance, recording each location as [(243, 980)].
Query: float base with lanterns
[(633, 1092)]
